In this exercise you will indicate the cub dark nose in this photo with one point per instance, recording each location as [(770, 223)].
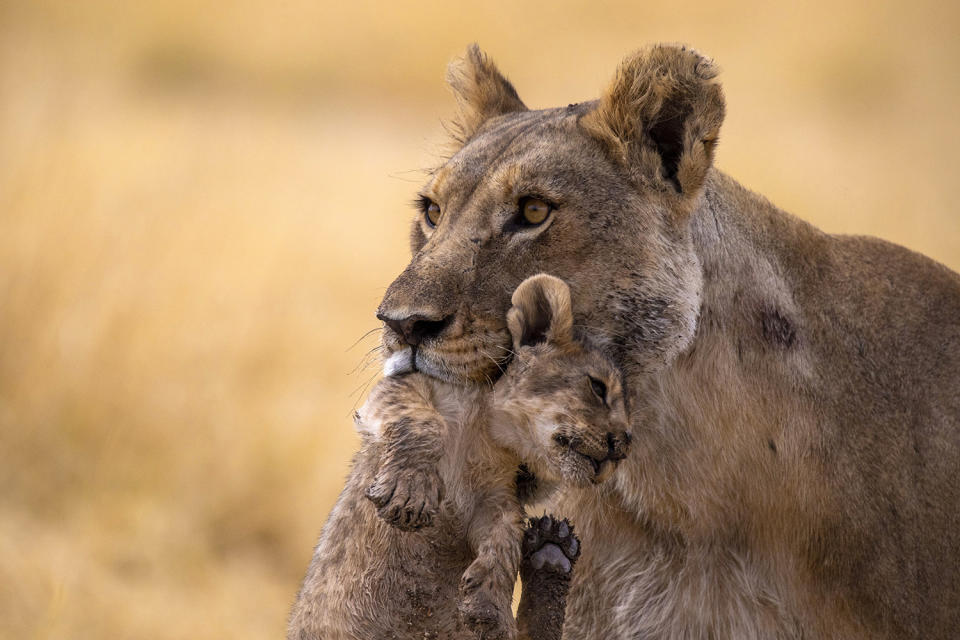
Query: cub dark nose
[(618, 445), (416, 328)]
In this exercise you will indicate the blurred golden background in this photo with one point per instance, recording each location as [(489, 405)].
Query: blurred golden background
[(201, 204)]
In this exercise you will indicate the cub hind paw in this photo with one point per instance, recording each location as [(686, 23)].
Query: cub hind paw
[(550, 550), (485, 608), (549, 547), (487, 618), (408, 499)]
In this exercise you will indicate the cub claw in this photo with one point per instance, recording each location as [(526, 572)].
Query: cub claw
[(407, 499)]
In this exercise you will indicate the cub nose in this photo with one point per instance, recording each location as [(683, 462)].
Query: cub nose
[(416, 328), (618, 445)]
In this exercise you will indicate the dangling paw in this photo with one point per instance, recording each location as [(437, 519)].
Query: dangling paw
[(406, 498)]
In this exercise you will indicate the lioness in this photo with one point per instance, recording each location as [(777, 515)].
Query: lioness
[(795, 395), (559, 407)]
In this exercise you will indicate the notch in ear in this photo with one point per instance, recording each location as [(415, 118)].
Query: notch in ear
[(482, 93), (541, 312), (660, 117)]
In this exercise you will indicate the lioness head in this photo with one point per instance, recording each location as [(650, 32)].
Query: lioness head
[(560, 403), (597, 193)]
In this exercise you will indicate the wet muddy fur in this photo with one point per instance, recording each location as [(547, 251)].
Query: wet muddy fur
[(429, 534), (550, 551)]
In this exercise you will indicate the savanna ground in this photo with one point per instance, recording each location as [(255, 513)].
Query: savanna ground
[(201, 205)]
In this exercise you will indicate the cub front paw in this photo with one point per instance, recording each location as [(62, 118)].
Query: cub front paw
[(406, 498), (484, 611)]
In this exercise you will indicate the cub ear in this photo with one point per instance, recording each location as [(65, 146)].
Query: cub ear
[(661, 116), (481, 91), (541, 312)]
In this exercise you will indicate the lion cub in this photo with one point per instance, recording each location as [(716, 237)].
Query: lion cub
[(440, 464)]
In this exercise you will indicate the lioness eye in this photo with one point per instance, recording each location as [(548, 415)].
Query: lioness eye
[(534, 210), (432, 214), (599, 388)]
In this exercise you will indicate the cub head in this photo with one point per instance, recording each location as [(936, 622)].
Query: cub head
[(598, 193), (560, 404)]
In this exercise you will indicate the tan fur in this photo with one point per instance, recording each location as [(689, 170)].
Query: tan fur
[(481, 93), (652, 88), (795, 396), (424, 438)]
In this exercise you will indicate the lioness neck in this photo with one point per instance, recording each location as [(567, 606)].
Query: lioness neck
[(788, 429), (722, 405)]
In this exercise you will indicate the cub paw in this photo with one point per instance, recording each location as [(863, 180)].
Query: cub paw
[(549, 547), (406, 498), (482, 610)]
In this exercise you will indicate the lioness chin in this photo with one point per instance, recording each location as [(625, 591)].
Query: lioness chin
[(795, 395)]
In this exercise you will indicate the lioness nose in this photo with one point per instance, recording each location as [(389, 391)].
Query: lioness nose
[(416, 328)]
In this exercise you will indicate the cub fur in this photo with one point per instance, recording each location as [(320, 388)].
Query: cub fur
[(425, 440)]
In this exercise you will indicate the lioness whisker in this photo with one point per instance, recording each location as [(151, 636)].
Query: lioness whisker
[(367, 359), (503, 348), (363, 366), (395, 176), (362, 389), (361, 338), (492, 359)]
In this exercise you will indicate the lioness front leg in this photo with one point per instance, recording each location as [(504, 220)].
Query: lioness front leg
[(407, 488), (486, 588)]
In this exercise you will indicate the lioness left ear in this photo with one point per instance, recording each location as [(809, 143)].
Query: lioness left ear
[(541, 312), (661, 116), (481, 91)]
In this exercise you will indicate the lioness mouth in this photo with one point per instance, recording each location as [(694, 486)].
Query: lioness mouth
[(413, 358), (405, 361), (400, 362)]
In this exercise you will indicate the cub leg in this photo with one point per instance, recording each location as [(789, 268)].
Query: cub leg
[(407, 488), (486, 588), (550, 549)]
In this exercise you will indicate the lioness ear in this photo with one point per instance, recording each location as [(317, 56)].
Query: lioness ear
[(481, 91), (661, 117), (541, 312)]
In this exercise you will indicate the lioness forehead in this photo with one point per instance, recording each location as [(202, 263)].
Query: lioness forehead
[(514, 147)]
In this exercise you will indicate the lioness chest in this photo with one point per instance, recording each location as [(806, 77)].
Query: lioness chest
[(634, 583)]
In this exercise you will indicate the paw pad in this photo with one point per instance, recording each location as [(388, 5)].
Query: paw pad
[(550, 545)]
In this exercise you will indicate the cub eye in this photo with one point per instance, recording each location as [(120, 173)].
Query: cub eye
[(431, 213), (534, 211), (599, 388)]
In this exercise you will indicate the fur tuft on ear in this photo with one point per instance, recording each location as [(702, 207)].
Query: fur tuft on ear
[(661, 116), (541, 312), (482, 93)]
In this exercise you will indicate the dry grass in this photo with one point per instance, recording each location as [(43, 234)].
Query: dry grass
[(201, 207)]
